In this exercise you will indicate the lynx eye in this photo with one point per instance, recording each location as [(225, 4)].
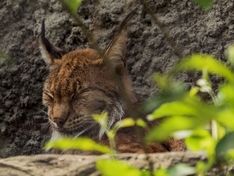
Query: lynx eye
[(47, 98), (49, 95)]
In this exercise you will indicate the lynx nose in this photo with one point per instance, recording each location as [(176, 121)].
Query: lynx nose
[(59, 121), (59, 114)]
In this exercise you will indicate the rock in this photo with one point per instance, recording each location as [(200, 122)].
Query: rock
[(73, 165)]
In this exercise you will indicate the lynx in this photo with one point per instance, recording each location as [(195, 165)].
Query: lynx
[(80, 83)]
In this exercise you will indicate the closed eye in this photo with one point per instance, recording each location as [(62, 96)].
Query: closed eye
[(49, 95), (48, 98)]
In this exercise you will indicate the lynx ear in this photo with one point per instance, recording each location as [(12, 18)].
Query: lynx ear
[(48, 51), (115, 51)]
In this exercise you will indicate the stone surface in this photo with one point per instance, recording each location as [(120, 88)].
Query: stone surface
[(73, 165)]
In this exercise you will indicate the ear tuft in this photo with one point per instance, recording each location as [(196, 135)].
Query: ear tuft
[(48, 51), (116, 52)]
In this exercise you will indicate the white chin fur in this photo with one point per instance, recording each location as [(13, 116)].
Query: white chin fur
[(56, 135), (116, 115)]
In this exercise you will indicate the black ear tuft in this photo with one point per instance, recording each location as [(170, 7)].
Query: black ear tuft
[(48, 51), (115, 51)]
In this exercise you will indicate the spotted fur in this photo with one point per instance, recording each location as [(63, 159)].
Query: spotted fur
[(80, 83)]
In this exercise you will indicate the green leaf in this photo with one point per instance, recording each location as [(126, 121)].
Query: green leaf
[(225, 116), (141, 123), (190, 106), (72, 5), (173, 109), (110, 167), (128, 122), (102, 119), (161, 172), (170, 126), (193, 91), (163, 97), (5, 58), (226, 95), (145, 172), (206, 62), (177, 170), (230, 154), (84, 144), (225, 145), (166, 83), (181, 170), (183, 115), (229, 53), (170, 90), (205, 4), (202, 167), (201, 140), (163, 80)]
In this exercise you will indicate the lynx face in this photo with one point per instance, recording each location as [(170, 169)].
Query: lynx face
[(81, 84)]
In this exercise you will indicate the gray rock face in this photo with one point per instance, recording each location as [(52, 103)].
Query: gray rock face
[(62, 165), (23, 122)]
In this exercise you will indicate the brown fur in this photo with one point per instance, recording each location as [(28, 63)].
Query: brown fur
[(80, 83), (77, 87)]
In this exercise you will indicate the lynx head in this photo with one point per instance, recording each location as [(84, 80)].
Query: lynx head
[(81, 84)]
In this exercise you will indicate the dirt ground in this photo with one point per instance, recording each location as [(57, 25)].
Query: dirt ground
[(23, 122)]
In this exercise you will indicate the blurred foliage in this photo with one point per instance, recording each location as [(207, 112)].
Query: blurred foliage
[(204, 62), (110, 132), (180, 170), (191, 116), (225, 147), (201, 140), (5, 58), (205, 4), (124, 169), (80, 143), (177, 170), (229, 53), (72, 5), (118, 168), (169, 90)]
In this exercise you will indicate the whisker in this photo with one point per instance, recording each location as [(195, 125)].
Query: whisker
[(53, 123), (85, 130), (85, 124), (84, 121), (42, 111)]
